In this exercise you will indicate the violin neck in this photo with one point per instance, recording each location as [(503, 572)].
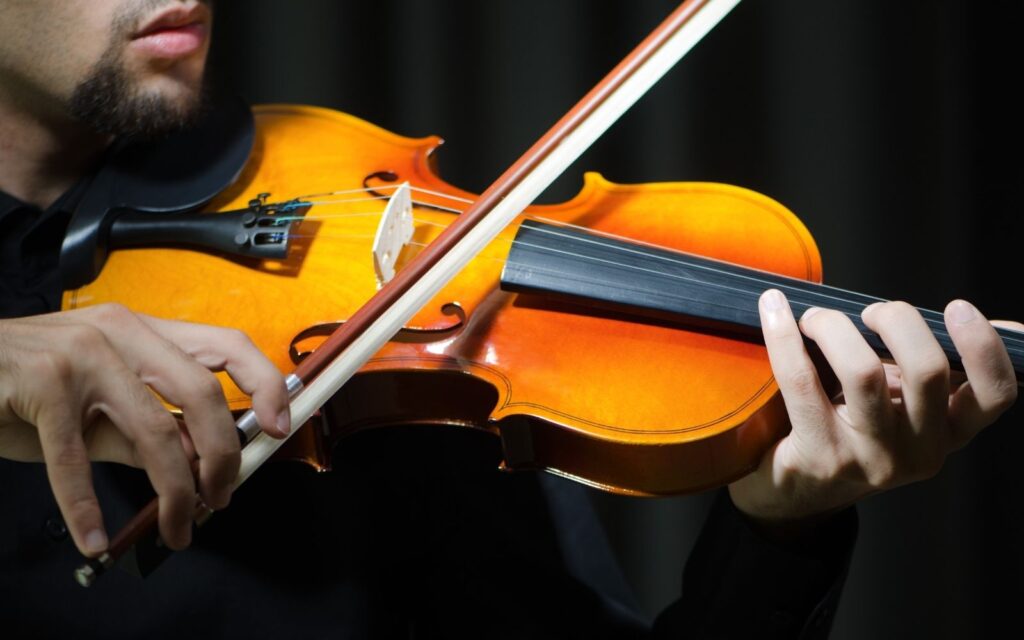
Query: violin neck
[(567, 263)]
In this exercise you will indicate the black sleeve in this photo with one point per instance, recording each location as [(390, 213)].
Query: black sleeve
[(737, 584)]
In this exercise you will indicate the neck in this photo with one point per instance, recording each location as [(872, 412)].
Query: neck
[(665, 285), (43, 151)]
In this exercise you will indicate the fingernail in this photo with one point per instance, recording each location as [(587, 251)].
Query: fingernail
[(773, 300), (962, 312), (773, 305), (284, 422), (810, 313), (96, 541), (220, 499)]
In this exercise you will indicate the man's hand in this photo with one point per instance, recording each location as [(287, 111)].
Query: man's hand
[(891, 424), (78, 386)]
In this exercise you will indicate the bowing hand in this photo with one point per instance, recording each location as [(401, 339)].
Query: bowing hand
[(79, 385)]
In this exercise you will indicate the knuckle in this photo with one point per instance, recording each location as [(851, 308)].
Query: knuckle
[(238, 339), (82, 508), (866, 377), (934, 366), (830, 466), (802, 382), (82, 339), (71, 455), (205, 387), (923, 461), (222, 451), (55, 367), (811, 414), (179, 488), (881, 473), (929, 372), (114, 314), (1003, 395), (162, 428), (222, 456)]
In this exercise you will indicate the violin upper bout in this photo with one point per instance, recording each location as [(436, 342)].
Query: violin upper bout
[(711, 219)]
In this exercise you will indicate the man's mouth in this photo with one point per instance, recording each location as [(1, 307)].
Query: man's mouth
[(174, 32)]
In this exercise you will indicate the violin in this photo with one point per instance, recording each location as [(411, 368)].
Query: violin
[(582, 391), (595, 337), (610, 339)]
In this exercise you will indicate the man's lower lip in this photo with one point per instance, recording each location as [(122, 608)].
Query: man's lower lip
[(172, 43)]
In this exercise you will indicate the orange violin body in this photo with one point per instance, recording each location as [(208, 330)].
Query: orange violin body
[(625, 404)]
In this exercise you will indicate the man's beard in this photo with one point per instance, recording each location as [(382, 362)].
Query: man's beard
[(109, 103)]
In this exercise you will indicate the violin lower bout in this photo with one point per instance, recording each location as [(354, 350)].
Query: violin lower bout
[(450, 398)]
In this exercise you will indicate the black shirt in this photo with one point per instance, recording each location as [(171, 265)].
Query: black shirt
[(29, 248)]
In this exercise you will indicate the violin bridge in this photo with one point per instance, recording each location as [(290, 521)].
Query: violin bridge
[(393, 232)]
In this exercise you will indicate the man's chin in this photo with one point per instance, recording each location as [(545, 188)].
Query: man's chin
[(180, 97), (178, 83), (108, 105), (157, 115)]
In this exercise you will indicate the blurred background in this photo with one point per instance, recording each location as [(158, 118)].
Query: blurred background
[(892, 129)]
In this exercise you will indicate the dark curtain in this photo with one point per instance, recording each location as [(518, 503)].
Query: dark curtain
[(892, 129)]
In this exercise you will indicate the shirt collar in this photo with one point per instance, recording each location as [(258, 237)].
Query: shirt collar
[(66, 202), (9, 203)]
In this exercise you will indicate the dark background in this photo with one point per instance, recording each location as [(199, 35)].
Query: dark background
[(890, 128)]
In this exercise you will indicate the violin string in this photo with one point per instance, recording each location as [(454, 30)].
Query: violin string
[(932, 318), (334, 236), (439, 194), (323, 202), (370, 236), (1013, 344), (325, 197), (681, 261), (347, 191), (376, 196), (441, 225), (333, 216), (387, 187), (937, 329), (357, 214)]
